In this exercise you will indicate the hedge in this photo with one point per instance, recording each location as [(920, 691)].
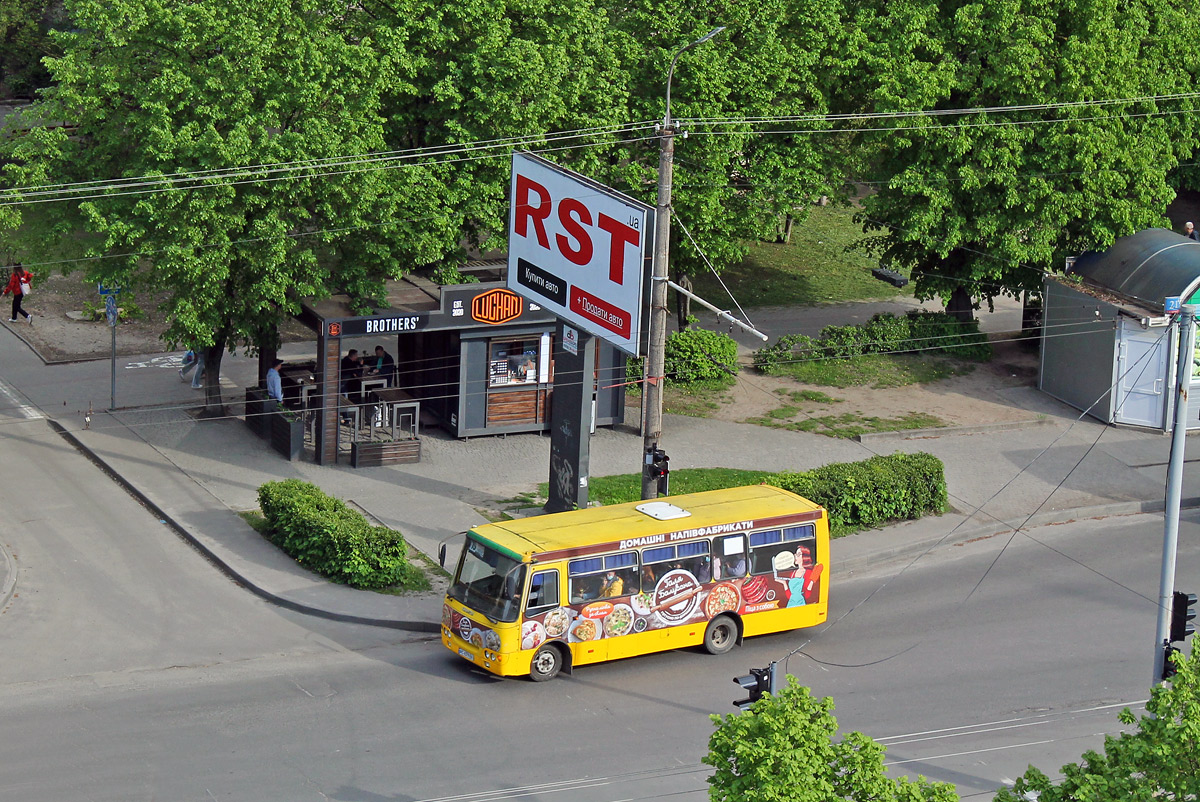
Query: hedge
[(323, 534), (873, 492), (915, 331)]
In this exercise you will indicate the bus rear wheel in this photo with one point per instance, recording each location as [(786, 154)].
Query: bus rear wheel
[(546, 664), (721, 635)]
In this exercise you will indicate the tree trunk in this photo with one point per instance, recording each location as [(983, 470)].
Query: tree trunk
[(268, 349), (785, 236), (683, 304), (960, 306), (214, 407)]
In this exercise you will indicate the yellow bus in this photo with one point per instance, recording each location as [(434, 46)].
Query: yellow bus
[(546, 594)]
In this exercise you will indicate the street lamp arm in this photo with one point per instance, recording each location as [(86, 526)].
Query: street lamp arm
[(671, 70)]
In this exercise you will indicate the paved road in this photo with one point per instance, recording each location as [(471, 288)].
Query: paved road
[(134, 671)]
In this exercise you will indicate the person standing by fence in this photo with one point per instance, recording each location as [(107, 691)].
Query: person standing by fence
[(19, 284)]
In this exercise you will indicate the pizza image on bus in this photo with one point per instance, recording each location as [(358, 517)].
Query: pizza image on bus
[(723, 598), (569, 589)]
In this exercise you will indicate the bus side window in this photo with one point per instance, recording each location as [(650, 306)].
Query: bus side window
[(730, 557), (543, 590), (764, 548)]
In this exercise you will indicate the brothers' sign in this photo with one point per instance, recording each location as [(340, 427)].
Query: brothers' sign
[(580, 250)]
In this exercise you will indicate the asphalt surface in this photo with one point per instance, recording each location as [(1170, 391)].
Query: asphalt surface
[(196, 476)]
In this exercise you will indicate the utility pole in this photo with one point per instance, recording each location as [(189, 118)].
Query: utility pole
[(1186, 339), (656, 350)]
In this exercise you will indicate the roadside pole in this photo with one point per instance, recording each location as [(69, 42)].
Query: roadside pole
[(1186, 338), (110, 312)]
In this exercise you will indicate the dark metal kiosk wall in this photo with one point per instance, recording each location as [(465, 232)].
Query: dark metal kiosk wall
[(479, 361)]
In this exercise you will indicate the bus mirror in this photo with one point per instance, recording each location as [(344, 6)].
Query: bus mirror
[(442, 554)]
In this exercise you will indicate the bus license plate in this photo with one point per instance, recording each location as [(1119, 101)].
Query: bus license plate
[(467, 655)]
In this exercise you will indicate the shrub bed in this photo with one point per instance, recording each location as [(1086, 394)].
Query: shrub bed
[(873, 492), (323, 534), (858, 495), (884, 333), (695, 355)]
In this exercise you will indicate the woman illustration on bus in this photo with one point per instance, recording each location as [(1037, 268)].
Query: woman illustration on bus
[(800, 574)]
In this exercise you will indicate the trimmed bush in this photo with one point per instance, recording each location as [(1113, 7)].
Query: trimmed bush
[(697, 354), (326, 536), (873, 492)]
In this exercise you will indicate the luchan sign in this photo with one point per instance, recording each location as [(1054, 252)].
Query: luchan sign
[(496, 307), (580, 250)]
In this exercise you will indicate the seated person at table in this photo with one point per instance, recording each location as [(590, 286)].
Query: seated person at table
[(382, 365), (351, 375)]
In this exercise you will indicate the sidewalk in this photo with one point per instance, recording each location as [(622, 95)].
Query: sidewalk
[(197, 475)]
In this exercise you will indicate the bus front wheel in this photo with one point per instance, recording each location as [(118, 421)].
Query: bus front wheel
[(546, 664), (721, 635)]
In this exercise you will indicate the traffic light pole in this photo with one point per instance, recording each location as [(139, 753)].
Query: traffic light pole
[(1186, 332), (652, 394)]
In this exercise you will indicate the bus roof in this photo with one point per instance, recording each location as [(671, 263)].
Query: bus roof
[(567, 531)]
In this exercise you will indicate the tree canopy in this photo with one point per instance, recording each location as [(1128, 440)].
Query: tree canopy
[(199, 106), (1159, 759), (783, 750), (982, 203)]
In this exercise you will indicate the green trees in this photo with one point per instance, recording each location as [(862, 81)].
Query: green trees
[(980, 204), (24, 42), (733, 183), (218, 120), (1158, 759), (784, 751)]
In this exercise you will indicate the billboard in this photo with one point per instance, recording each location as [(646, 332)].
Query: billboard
[(580, 250)]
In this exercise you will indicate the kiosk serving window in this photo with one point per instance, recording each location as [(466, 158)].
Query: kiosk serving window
[(517, 361)]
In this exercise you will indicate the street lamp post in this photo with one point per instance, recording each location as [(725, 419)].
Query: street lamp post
[(655, 352)]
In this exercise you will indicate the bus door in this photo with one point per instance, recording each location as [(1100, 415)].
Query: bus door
[(545, 617)]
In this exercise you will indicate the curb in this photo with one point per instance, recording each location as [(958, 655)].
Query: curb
[(917, 548), (983, 428), (68, 360), (880, 551), (230, 571)]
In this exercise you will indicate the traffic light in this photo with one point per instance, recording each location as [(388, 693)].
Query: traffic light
[(1182, 612), (758, 682), (657, 468)]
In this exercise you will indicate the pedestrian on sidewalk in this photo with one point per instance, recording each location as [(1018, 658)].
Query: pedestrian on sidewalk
[(1189, 231), (196, 363), (275, 382), (20, 284)]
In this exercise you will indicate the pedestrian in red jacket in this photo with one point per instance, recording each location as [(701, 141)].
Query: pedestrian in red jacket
[(19, 285)]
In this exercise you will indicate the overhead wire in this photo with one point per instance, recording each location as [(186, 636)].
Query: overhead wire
[(1015, 530), (452, 361)]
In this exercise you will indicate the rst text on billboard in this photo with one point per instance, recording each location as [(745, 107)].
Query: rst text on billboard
[(580, 249)]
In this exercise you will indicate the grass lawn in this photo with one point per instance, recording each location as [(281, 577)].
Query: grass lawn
[(624, 487), (875, 370), (814, 268)]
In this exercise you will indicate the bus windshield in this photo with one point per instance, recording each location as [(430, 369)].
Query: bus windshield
[(488, 582)]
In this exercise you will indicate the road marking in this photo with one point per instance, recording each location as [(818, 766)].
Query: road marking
[(175, 362), (26, 410), (1002, 724), (967, 752)]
